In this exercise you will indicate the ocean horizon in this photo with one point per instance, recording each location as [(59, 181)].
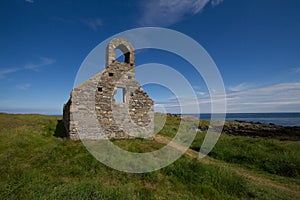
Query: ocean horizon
[(282, 118), (277, 118)]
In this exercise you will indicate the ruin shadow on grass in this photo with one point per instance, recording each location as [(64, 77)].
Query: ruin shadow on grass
[(60, 130)]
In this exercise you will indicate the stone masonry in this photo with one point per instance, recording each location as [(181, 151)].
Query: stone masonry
[(92, 111)]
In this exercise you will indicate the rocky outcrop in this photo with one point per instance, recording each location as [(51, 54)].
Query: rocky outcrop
[(256, 129)]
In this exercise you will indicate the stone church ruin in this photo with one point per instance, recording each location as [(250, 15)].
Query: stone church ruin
[(94, 111)]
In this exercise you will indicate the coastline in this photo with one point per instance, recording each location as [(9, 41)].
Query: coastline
[(282, 118), (253, 129)]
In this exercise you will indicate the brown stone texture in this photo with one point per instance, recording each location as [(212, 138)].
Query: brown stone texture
[(92, 111)]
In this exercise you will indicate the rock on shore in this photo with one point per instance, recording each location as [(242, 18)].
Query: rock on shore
[(256, 129)]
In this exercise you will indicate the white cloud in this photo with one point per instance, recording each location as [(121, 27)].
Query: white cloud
[(24, 86), (93, 24), (201, 93), (6, 71), (29, 1), (216, 2), (282, 97), (43, 61), (198, 90), (168, 12), (241, 86)]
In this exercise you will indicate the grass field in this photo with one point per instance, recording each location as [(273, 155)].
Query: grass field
[(35, 164)]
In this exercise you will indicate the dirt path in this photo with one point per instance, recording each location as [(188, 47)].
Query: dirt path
[(292, 189)]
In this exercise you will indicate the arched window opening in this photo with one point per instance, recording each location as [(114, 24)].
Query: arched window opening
[(120, 57), (120, 50), (122, 54)]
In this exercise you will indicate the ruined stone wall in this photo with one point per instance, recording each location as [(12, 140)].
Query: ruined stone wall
[(66, 116), (131, 118), (92, 110)]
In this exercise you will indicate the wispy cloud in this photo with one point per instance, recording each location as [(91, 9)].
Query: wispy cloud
[(24, 86), (216, 2), (240, 87), (35, 66), (282, 97), (91, 23), (29, 1), (296, 70), (198, 90), (6, 71), (168, 12), (43, 61)]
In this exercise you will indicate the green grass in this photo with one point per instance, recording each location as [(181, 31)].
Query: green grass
[(269, 155), (36, 165)]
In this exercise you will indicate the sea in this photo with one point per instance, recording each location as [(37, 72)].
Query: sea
[(284, 119)]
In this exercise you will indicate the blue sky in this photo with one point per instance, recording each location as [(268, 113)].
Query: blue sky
[(255, 44)]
